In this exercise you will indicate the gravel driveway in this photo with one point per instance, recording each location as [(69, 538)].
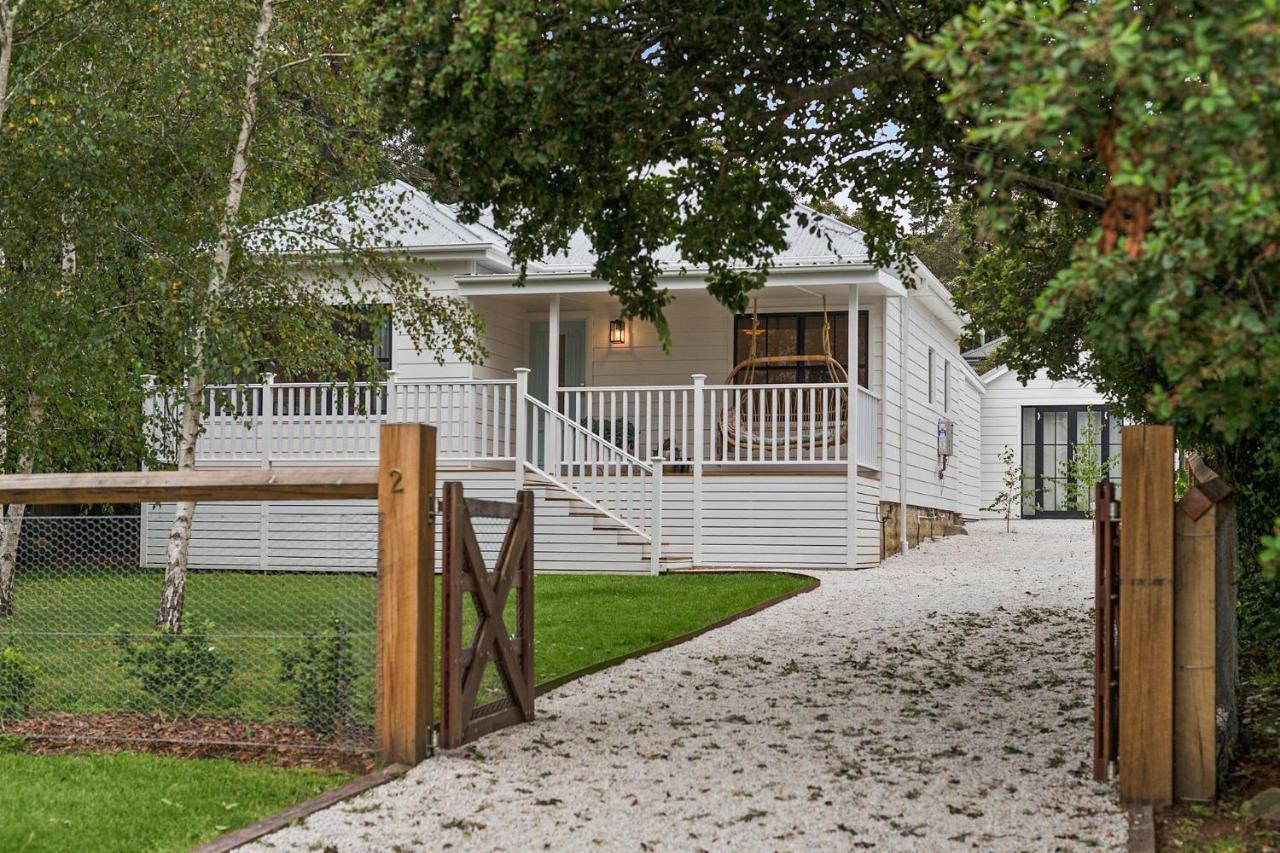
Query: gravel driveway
[(941, 701)]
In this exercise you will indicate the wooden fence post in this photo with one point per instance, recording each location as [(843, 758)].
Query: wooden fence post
[(1195, 671), (406, 591), (1146, 616)]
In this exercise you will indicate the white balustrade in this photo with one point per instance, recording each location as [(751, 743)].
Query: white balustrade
[(739, 425), (867, 430), (767, 424), (292, 422)]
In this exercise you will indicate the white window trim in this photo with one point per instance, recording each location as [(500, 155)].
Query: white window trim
[(931, 375), (946, 385)]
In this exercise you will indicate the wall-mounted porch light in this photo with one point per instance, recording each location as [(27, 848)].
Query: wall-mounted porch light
[(617, 331)]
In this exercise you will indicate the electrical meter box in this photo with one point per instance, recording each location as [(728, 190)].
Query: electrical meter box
[(946, 429)]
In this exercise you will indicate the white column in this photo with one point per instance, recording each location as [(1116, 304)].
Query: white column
[(390, 415), (266, 416), (551, 445), (699, 448), (851, 448), (904, 353), (522, 424), (655, 528)]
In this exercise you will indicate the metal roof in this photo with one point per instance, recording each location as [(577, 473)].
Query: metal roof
[(393, 215), (825, 241), (396, 215)]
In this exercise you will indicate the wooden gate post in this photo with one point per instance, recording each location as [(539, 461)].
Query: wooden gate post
[(1146, 616), (406, 591)]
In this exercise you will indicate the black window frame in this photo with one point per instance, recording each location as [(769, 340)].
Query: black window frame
[(742, 322), (1038, 475)]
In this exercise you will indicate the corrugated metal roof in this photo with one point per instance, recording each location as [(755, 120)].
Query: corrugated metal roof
[(824, 241), (396, 215), (390, 215)]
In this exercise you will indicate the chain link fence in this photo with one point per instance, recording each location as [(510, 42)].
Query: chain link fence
[(276, 653)]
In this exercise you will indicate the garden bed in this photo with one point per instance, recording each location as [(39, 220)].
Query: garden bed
[(278, 744)]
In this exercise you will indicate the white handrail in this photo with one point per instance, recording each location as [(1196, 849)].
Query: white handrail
[(595, 471)]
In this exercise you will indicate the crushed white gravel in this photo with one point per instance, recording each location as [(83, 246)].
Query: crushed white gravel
[(942, 701)]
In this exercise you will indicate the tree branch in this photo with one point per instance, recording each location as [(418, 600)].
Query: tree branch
[(308, 58), (845, 84), (1052, 190)]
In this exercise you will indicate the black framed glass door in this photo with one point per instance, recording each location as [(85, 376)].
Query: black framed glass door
[(1053, 437)]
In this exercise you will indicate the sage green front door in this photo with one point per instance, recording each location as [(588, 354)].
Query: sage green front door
[(573, 372), (573, 356)]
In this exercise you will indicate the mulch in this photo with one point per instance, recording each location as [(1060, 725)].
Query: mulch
[(279, 744), (1255, 768)]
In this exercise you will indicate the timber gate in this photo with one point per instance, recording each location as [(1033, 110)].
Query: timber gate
[(1106, 660), (463, 668)]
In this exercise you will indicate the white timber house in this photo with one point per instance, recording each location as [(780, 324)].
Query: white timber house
[(751, 443)]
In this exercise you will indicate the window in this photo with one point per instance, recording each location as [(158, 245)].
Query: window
[(800, 334), (930, 374), (946, 386), (368, 324)]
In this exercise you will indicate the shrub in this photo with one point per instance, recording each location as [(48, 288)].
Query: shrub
[(321, 674), (17, 683), (179, 672)]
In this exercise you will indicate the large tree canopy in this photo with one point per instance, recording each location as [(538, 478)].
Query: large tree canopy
[(654, 122), (1117, 162)]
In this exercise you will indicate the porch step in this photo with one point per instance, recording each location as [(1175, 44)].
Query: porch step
[(602, 538)]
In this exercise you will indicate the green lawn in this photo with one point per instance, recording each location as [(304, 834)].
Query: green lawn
[(139, 803), (64, 623)]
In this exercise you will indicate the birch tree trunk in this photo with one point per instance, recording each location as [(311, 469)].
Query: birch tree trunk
[(10, 532), (8, 18), (173, 596), (11, 529)]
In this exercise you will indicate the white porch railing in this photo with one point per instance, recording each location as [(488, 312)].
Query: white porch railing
[(300, 422), (773, 424), (607, 446)]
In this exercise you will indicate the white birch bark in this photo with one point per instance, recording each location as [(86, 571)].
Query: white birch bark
[(8, 19), (11, 527), (173, 596)]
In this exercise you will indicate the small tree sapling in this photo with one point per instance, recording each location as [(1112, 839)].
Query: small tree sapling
[(1012, 492)]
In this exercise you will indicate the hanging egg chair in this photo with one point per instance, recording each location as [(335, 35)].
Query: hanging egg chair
[(776, 422)]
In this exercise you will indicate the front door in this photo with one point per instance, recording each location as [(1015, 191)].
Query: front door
[(573, 356), (1053, 437), (573, 373)]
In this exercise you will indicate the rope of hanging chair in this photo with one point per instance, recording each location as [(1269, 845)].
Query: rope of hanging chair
[(735, 426)]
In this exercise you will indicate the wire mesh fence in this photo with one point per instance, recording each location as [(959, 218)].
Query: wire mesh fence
[(276, 651)]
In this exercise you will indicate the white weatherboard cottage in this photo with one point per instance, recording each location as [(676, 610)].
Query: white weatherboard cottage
[(1042, 421), (743, 446)]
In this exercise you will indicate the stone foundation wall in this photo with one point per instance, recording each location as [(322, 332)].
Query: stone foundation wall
[(922, 523)]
